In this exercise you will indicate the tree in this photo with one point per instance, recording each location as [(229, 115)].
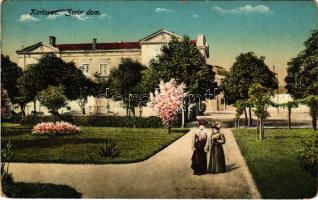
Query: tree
[(289, 105), (302, 76), (167, 101), (51, 70), (260, 97), (5, 104), (182, 61), (240, 107), (53, 98), (247, 70), (10, 72), (125, 80)]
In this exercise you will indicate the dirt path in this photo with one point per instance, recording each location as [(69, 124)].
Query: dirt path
[(165, 175)]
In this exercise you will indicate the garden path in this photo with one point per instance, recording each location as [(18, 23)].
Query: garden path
[(165, 175)]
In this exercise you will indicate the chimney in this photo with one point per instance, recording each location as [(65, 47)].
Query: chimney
[(52, 41), (94, 43)]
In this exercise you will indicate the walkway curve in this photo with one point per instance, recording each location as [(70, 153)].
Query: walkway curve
[(165, 175)]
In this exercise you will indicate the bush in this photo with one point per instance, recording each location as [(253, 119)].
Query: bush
[(58, 128), (194, 111), (94, 120), (308, 154), (109, 149)]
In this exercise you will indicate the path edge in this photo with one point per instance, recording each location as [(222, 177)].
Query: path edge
[(248, 176)]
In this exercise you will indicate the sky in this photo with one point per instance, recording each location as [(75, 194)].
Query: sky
[(274, 29)]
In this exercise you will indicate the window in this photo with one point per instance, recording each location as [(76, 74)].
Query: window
[(103, 69), (84, 68)]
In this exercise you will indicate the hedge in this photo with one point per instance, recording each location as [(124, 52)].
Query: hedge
[(108, 121)]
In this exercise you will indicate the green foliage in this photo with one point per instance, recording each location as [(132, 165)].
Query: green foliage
[(136, 144), (109, 149), (124, 80), (43, 190), (247, 70), (196, 110), (302, 71), (109, 121), (10, 72), (260, 97), (7, 182), (182, 61), (51, 70), (274, 165), (308, 154), (240, 107), (53, 98)]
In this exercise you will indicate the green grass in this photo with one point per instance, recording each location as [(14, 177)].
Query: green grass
[(274, 164), (42, 190), (135, 144)]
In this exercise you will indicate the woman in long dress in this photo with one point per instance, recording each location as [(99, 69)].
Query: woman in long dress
[(216, 159), (199, 159)]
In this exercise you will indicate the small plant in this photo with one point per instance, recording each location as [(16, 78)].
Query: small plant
[(109, 149), (308, 154), (7, 182)]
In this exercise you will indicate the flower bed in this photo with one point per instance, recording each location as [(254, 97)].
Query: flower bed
[(58, 128)]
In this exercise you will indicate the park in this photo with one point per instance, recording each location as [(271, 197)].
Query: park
[(135, 141)]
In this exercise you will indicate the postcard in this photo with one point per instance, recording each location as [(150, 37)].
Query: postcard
[(159, 99)]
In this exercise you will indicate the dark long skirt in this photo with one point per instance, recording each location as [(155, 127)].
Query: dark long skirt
[(216, 159), (199, 160)]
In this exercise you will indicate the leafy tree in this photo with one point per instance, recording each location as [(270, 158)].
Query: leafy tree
[(247, 70), (182, 61), (10, 72), (167, 101), (260, 97), (53, 98), (51, 70), (5, 104), (124, 81), (240, 107), (302, 76)]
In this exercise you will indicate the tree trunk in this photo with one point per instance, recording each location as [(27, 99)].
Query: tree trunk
[(140, 111), (83, 110), (34, 106), (259, 129), (313, 113), (169, 127), (245, 113), (289, 120), (263, 130), (127, 112), (186, 110), (250, 117), (22, 107)]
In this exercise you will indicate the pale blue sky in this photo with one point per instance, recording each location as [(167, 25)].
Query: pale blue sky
[(274, 29)]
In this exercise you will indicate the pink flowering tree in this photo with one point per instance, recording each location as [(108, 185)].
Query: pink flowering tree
[(167, 101)]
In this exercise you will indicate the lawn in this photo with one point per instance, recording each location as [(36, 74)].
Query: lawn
[(135, 144), (42, 190), (274, 164)]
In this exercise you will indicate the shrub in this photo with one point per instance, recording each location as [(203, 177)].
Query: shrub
[(109, 149), (194, 111), (95, 120), (308, 154), (58, 128)]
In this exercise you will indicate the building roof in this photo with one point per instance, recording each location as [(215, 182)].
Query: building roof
[(102, 46)]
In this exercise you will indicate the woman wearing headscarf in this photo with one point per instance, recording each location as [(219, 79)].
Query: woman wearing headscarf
[(199, 162)]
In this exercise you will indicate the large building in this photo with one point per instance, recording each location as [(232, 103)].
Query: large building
[(98, 58)]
